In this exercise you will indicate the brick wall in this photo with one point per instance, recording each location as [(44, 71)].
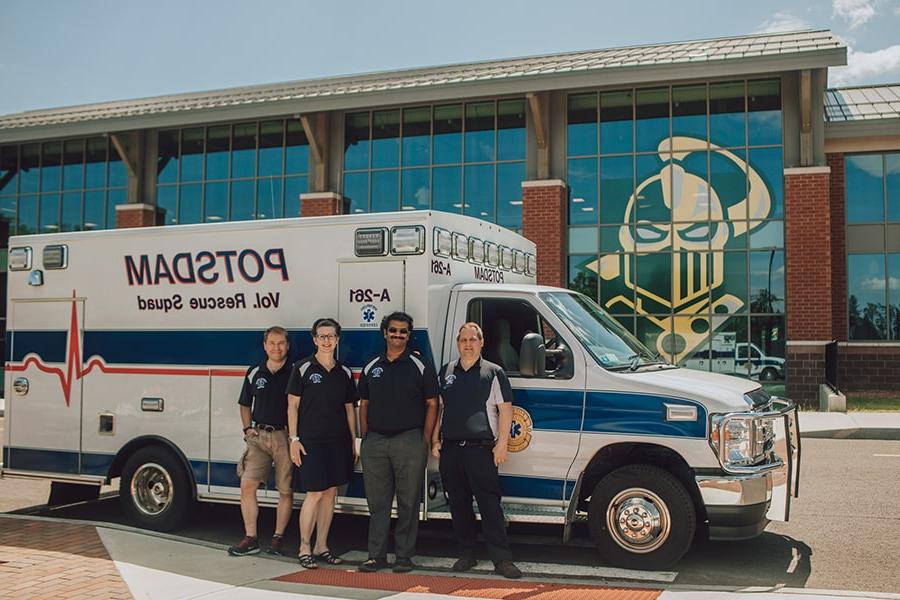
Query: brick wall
[(321, 204), (808, 254), (869, 367), (137, 215), (838, 248), (805, 366), (544, 223)]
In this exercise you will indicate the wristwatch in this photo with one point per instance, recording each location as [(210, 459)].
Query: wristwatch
[(293, 438)]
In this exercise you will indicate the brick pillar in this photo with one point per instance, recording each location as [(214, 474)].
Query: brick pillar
[(544, 223), (808, 262), (838, 248), (322, 204), (137, 215)]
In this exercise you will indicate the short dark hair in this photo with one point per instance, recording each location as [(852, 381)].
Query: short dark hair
[(277, 331), (397, 315), (325, 322)]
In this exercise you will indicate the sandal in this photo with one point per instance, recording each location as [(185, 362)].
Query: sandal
[(329, 558), (308, 561)]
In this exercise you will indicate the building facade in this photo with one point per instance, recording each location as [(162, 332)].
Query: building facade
[(714, 196)]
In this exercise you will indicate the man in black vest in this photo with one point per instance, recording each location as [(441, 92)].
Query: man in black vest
[(476, 414)]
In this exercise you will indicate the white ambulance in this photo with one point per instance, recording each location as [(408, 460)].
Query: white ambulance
[(126, 349)]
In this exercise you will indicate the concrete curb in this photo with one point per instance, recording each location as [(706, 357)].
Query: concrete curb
[(850, 426), (883, 433)]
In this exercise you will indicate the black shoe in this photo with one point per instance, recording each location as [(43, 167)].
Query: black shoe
[(373, 564), (507, 569), (403, 565), (464, 563), (245, 547)]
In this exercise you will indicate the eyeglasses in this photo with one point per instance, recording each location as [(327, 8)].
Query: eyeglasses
[(328, 337), (403, 331)]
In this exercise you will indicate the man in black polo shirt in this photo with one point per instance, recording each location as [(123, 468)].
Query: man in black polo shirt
[(476, 415), (263, 405), (397, 411)]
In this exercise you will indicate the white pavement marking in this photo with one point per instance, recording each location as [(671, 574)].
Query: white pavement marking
[(795, 559), (534, 568), (888, 455)]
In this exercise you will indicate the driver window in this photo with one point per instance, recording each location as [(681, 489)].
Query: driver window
[(742, 352), (505, 323)]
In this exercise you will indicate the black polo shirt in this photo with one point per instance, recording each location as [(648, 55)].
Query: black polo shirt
[(471, 399), (266, 393), (396, 391), (323, 395)]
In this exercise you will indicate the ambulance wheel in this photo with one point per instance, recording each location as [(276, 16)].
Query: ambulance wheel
[(155, 489), (768, 374), (641, 517)]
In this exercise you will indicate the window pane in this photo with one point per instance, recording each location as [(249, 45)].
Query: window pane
[(764, 106), (729, 344), (582, 177), (690, 190), (215, 201), (511, 130), (447, 189), (654, 275), (768, 163), (356, 141), (9, 169), (616, 187), (118, 173), (242, 200), (894, 295), (688, 115), (583, 240), (30, 168), (49, 213), (51, 167), (582, 125), (611, 238), (768, 338), (865, 188), (271, 151), (356, 191), (293, 187), (218, 140), (509, 194), (479, 132), (652, 187), (73, 165), (71, 212), (385, 191), (167, 157), (652, 125), (728, 180), (726, 119), (189, 204), (616, 272), (653, 331), (583, 275), (866, 287), (729, 278), (243, 150), (479, 191), (892, 170), (767, 234), (416, 136), (166, 198), (616, 122), (385, 139), (191, 154), (448, 134), (296, 158), (269, 204), (28, 214), (767, 281), (8, 212), (113, 199), (414, 189)]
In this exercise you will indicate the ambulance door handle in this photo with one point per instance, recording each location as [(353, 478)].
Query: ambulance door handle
[(20, 385), (152, 404)]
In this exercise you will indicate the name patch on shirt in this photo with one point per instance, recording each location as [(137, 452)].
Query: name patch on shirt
[(315, 378), (261, 383), (449, 379), (376, 372)]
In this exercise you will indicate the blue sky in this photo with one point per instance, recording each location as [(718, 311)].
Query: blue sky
[(65, 52)]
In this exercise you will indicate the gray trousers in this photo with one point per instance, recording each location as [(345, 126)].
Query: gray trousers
[(393, 465)]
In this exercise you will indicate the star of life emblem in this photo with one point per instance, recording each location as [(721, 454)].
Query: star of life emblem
[(449, 379), (376, 372), (315, 378), (261, 383)]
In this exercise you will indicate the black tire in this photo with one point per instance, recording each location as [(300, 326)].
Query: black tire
[(768, 374), (155, 489), (651, 515)]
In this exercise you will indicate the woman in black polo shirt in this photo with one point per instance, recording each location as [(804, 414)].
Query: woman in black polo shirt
[(322, 429)]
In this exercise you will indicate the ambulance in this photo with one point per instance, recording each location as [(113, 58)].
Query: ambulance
[(126, 351)]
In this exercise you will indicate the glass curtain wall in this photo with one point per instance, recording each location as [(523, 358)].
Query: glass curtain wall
[(676, 214), (873, 277), (461, 158), (232, 172)]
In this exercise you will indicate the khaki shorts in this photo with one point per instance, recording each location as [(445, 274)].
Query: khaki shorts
[(262, 450)]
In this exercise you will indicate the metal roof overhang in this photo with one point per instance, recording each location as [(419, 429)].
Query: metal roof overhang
[(862, 128), (512, 84)]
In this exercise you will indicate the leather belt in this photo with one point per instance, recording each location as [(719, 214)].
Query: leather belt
[(269, 428)]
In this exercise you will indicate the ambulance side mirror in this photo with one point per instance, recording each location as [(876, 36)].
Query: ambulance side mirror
[(532, 356)]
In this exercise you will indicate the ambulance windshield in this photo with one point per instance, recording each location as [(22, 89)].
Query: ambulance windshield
[(611, 345)]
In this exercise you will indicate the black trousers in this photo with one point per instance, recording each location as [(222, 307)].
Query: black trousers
[(468, 471)]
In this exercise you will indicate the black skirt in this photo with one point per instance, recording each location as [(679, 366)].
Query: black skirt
[(325, 465)]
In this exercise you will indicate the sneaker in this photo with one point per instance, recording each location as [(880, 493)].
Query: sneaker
[(507, 569), (464, 563), (276, 547), (245, 547), (373, 564), (403, 565)]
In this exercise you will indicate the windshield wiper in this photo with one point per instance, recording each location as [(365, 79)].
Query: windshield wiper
[(635, 359)]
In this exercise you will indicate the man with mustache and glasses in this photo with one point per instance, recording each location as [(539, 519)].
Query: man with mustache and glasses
[(397, 411)]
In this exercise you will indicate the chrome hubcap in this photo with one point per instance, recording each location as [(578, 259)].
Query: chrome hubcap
[(638, 520), (151, 489)]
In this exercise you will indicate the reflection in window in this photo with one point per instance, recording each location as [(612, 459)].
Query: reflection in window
[(582, 273), (478, 191), (892, 174), (616, 122), (582, 179), (616, 186), (581, 133), (866, 296), (385, 139), (416, 136), (865, 188), (511, 130), (726, 114), (479, 136), (767, 281), (385, 191), (447, 134), (764, 112), (652, 119), (415, 192), (689, 113)]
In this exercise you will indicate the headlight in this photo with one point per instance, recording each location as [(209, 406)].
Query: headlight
[(741, 440)]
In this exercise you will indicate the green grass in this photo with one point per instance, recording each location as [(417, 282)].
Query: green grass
[(874, 401)]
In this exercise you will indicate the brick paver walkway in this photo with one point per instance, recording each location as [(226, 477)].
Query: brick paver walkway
[(41, 559)]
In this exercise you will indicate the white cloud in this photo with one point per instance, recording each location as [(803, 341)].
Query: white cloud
[(876, 284), (863, 67), (782, 21), (854, 12)]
